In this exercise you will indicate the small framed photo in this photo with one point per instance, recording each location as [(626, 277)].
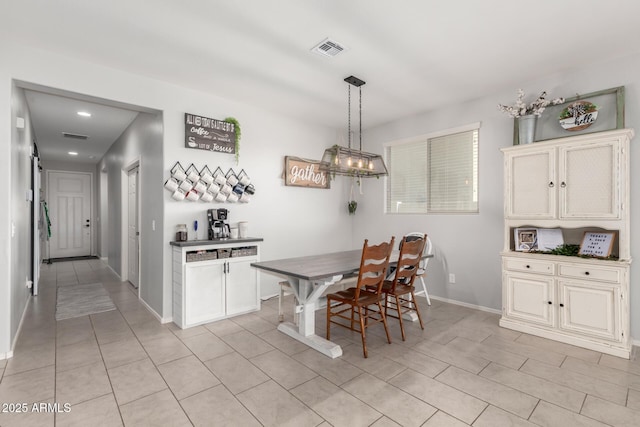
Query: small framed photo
[(526, 239), (597, 244)]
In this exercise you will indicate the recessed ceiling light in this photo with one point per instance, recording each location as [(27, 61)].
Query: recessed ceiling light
[(84, 114), (73, 153)]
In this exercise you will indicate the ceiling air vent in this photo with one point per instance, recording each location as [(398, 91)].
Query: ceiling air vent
[(74, 136), (329, 47)]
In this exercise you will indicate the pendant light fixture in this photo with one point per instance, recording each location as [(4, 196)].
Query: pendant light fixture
[(348, 161)]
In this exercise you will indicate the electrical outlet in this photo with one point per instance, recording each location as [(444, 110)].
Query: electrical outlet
[(452, 278)]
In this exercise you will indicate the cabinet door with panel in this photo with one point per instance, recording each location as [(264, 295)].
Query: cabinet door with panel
[(590, 308), (589, 178), (242, 289), (204, 293), (530, 184), (529, 297)]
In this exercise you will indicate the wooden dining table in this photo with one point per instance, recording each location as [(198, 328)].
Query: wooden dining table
[(309, 277)]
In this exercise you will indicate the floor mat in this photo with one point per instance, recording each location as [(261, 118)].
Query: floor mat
[(73, 258), (81, 300)]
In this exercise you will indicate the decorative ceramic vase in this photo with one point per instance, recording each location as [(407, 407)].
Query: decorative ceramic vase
[(527, 128)]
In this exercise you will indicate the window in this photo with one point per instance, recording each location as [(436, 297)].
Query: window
[(434, 173)]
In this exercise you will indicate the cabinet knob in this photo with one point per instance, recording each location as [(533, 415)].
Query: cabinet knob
[(527, 266), (551, 184), (561, 305), (563, 184), (586, 273), (550, 302)]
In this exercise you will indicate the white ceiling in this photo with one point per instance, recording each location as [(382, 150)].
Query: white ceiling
[(415, 55)]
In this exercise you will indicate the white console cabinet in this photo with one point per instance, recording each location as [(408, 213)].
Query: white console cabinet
[(208, 287), (577, 184)]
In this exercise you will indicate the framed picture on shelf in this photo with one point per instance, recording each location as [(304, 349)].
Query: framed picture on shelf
[(592, 112), (526, 239), (597, 244)]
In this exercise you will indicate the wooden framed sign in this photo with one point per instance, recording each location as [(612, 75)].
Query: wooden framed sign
[(597, 244), (203, 133), (304, 173)]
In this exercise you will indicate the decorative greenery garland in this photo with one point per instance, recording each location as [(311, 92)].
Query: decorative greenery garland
[(236, 125)]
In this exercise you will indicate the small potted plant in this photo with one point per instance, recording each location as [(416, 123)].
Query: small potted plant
[(526, 114)]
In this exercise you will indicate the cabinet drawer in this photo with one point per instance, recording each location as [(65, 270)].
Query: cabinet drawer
[(528, 265), (589, 272)]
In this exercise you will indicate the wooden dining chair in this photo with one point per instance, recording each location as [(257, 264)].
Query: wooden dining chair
[(422, 270), (399, 293), (354, 301)]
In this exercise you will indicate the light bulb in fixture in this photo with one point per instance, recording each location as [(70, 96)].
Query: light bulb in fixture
[(360, 163), (84, 113), (370, 165), (349, 162), (73, 153)]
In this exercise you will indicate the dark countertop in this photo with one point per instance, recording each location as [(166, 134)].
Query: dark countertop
[(214, 242)]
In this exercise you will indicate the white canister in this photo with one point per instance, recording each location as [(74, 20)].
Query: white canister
[(243, 229), (234, 232)]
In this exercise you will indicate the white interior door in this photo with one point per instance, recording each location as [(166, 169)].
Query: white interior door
[(70, 214), (133, 233)]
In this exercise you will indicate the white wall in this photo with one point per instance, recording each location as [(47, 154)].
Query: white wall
[(469, 245), (293, 221)]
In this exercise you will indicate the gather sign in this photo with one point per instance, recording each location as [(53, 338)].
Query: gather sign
[(304, 173)]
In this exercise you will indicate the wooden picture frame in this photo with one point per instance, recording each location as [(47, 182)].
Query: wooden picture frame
[(610, 104), (305, 173), (597, 244), (526, 239)]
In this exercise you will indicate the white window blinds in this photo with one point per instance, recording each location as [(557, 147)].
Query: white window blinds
[(434, 175)]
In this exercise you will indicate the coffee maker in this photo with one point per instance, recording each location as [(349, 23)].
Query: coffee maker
[(218, 227)]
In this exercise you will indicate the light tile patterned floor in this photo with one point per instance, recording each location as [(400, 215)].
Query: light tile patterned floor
[(124, 368)]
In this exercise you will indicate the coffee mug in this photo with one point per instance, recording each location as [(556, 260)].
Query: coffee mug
[(250, 189), (200, 187), (245, 180), (226, 189), (214, 188), (245, 198), (193, 196), (221, 197), (186, 185), (238, 189), (178, 173), (193, 175), (220, 179), (171, 184), (234, 233), (178, 194), (207, 196), (233, 197), (206, 177), (232, 180)]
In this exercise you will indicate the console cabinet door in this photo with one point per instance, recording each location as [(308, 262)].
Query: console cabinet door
[(590, 308), (530, 184), (529, 298), (589, 180), (242, 286), (204, 292)]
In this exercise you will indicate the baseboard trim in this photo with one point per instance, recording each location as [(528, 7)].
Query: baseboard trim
[(24, 313), (465, 304), (7, 355), (114, 272), (161, 319)]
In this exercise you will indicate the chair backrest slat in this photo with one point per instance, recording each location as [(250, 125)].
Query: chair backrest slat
[(374, 264), (411, 249)]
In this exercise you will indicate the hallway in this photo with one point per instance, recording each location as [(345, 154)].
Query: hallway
[(124, 368)]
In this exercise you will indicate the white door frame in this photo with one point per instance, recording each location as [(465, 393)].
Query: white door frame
[(92, 238), (124, 221)]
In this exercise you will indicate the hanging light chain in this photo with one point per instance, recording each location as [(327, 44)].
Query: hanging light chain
[(349, 116), (360, 89)]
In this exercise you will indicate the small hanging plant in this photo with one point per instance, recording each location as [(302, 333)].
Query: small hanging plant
[(352, 205), (236, 125)]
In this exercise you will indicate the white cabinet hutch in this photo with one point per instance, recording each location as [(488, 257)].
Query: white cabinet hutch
[(578, 184), (214, 280)]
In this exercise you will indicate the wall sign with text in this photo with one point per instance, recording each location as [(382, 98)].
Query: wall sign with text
[(203, 133), (304, 173)]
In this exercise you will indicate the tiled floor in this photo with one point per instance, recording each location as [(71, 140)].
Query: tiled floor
[(124, 367)]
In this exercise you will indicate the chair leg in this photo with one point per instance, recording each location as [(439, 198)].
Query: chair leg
[(426, 294), (362, 332), (399, 307), (417, 309), (328, 319), (384, 322)]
